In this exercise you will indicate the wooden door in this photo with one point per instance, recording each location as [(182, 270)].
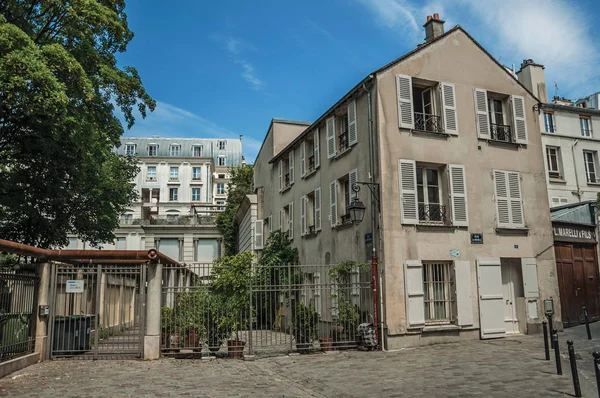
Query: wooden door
[(564, 270), (591, 281)]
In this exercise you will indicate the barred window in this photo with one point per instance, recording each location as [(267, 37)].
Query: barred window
[(438, 286)]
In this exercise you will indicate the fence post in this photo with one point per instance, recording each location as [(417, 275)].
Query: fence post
[(596, 355), (587, 324), (545, 329), (152, 337), (43, 299), (289, 272), (550, 328), (250, 350), (574, 373), (556, 352)]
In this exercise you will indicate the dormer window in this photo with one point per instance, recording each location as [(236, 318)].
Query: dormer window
[(197, 151), (130, 149), (221, 161), (152, 149), (175, 150), (221, 145)]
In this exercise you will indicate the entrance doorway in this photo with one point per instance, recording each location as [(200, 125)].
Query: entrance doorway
[(512, 287)]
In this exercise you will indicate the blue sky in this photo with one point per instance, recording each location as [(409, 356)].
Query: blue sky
[(225, 68)]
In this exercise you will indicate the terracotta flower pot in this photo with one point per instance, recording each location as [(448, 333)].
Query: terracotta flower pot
[(235, 348), (326, 343)]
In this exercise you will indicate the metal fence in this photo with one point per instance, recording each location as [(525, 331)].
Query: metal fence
[(17, 304), (274, 310)]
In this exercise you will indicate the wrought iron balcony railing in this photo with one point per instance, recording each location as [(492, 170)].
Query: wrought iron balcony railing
[(346, 219), (429, 123), (286, 181), (434, 214), (343, 141), (311, 229), (311, 163), (181, 220), (501, 132)]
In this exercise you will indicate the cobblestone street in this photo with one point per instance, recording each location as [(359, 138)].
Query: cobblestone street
[(512, 367)]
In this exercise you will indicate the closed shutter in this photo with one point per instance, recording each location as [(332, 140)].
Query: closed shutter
[(530, 281), (405, 102), (449, 105), (318, 209), (280, 175), (352, 127), (502, 202), (415, 297), (303, 215), (291, 161), (458, 195), (291, 220), (491, 298), (330, 125), (333, 203), (516, 201), (281, 215), (481, 113), (303, 159), (464, 292), (316, 152), (518, 105), (352, 178), (408, 191), (258, 235), (270, 221)]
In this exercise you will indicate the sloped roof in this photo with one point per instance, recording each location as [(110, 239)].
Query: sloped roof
[(575, 213)]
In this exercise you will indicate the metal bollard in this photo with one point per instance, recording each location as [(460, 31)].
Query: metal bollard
[(574, 373), (546, 349), (596, 355), (587, 323), (550, 328), (556, 352)]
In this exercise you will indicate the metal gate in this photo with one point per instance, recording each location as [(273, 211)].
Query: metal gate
[(97, 311)]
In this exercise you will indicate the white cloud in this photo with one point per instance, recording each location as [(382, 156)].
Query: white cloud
[(250, 76), (398, 15), (237, 48)]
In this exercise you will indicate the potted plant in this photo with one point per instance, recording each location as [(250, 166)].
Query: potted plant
[(190, 309), (171, 332), (216, 327), (305, 321)]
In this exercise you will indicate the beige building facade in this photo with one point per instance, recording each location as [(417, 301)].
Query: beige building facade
[(460, 221)]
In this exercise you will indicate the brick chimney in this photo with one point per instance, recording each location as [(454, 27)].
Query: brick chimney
[(531, 75), (434, 27)]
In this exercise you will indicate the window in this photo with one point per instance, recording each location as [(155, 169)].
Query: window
[(499, 128), (586, 126), (286, 220), (340, 197), (309, 154), (126, 218), (558, 201), (509, 203), (151, 173), (221, 203), (174, 150), (549, 122), (221, 176), (310, 213), (121, 243), (174, 173), (500, 117), (152, 150), (197, 151), (173, 194), (221, 145), (425, 101), (220, 189), (553, 158), (221, 161), (196, 172), (438, 289), (286, 171), (341, 130), (195, 194), (130, 149), (590, 159), (431, 209)]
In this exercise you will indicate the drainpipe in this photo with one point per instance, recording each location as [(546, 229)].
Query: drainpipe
[(575, 167)]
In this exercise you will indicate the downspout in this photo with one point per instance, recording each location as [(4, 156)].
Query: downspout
[(575, 167)]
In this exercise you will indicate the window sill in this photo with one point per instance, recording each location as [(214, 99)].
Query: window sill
[(594, 184), (310, 235), (436, 227), (343, 226), (512, 231), (313, 172), (440, 328), (174, 182), (512, 145), (555, 180), (441, 134), (342, 153), (286, 189), (196, 182)]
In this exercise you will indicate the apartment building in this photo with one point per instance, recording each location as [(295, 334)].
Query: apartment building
[(182, 187), (459, 220)]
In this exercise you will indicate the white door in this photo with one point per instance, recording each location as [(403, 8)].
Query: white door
[(491, 298), (511, 323)]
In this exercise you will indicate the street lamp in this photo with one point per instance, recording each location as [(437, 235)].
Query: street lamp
[(357, 211)]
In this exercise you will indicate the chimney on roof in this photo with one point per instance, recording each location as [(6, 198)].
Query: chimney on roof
[(531, 75), (434, 27)]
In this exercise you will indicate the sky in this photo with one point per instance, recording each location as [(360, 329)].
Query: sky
[(220, 69)]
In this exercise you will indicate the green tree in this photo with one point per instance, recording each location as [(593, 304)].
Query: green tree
[(240, 185), (59, 87)]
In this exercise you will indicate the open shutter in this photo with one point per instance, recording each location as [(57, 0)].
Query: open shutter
[(291, 161), (258, 235), (415, 296), (481, 113), (291, 220), (280, 175), (352, 128), (333, 203), (316, 152), (281, 215), (330, 125), (352, 178), (458, 195), (408, 191), (318, 209), (303, 159), (530, 281), (501, 194), (516, 201), (405, 102), (491, 298), (270, 221), (464, 292), (518, 105), (303, 215), (449, 105)]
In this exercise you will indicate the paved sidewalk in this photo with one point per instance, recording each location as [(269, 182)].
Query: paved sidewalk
[(512, 367), (583, 349)]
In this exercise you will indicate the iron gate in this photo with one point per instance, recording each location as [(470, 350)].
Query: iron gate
[(97, 311)]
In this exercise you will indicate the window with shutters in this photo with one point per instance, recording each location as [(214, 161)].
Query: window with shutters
[(311, 213), (426, 106), (286, 170), (590, 159), (342, 130), (287, 220), (439, 292), (309, 155), (500, 129), (508, 198), (554, 162), (500, 117), (341, 196)]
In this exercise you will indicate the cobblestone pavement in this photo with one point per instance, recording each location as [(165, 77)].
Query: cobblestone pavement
[(511, 367)]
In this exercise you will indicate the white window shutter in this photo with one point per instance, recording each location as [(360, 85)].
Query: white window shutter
[(516, 200), (281, 215), (352, 178), (458, 195), (352, 127), (406, 117), (303, 215), (333, 203), (291, 161), (415, 296), (519, 120), (408, 191), (258, 235), (330, 125), (449, 106), (481, 112), (270, 221), (291, 220), (464, 292), (280, 175), (303, 159), (502, 202), (316, 151), (318, 209), (530, 281)]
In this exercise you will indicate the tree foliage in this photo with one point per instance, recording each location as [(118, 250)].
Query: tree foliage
[(59, 86), (240, 185)]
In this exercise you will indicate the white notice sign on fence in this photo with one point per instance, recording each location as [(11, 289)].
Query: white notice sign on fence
[(74, 286)]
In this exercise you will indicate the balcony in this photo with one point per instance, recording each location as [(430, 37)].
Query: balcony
[(343, 141), (130, 221), (501, 133), (207, 220), (428, 123), (432, 214), (151, 179), (173, 178)]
